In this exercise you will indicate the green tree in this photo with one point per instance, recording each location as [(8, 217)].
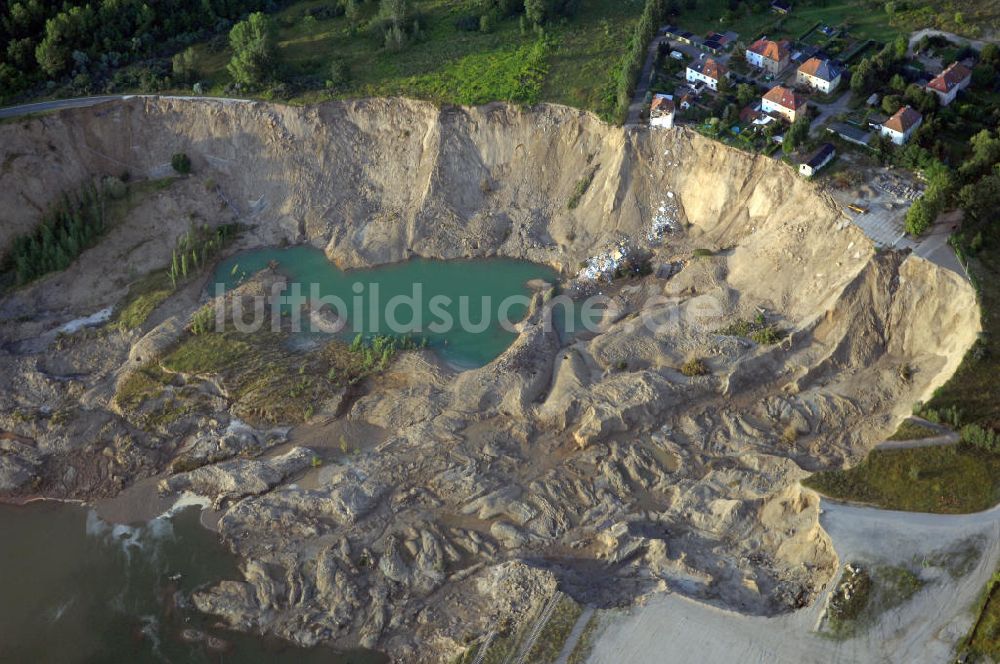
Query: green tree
[(183, 65), (536, 11), (252, 42), (981, 200), (746, 94), (796, 134), (181, 163), (920, 217), (990, 55)]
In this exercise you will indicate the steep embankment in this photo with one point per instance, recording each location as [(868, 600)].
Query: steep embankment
[(603, 466)]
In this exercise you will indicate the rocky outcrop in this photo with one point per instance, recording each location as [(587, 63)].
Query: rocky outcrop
[(237, 478)]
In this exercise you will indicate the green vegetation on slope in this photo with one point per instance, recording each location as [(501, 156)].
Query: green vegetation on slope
[(863, 594), (911, 430), (952, 479), (448, 58), (983, 642)]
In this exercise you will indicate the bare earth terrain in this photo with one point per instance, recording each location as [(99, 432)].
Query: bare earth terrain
[(598, 466), (925, 629)]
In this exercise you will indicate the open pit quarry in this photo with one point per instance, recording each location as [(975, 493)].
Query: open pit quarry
[(594, 467)]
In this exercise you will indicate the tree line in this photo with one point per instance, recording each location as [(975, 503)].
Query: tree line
[(85, 40), (71, 225)]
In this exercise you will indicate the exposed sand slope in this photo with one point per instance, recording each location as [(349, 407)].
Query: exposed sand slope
[(598, 467)]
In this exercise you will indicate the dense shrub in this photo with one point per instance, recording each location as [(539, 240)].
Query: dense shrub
[(181, 163)]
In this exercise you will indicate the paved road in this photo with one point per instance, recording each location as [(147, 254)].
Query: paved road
[(58, 104), (945, 436), (827, 111), (81, 102), (642, 87)]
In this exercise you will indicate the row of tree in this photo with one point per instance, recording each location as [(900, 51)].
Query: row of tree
[(73, 224)]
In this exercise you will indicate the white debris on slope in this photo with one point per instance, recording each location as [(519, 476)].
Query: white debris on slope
[(664, 220), (604, 265), (99, 318)]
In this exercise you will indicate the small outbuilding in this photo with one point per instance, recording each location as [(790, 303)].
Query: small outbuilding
[(817, 160)]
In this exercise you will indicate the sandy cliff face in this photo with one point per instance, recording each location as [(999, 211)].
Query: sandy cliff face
[(596, 466)]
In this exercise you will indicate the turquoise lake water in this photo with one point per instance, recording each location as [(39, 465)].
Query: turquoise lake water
[(473, 294)]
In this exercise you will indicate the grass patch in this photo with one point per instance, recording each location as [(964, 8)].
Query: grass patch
[(209, 353), (984, 639), (573, 62), (950, 479), (581, 652), (863, 594), (911, 430), (694, 367), (141, 385), (553, 636), (143, 298), (580, 188), (758, 330)]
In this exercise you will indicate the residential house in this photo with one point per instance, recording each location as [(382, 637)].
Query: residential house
[(817, 160), (783, 102), (684, 97), (781, 6), (771, 56), (716, 42), (947, 84), (661, 111), (707, 71), (901, 126), (819, 74)]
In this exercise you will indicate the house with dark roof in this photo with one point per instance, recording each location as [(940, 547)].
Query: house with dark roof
[(717, 42), (707, 71), (783, 102), (850, 133), (947, 84), (781, 6), (817, 160), (819, 74), (901, 125), (771, 56)]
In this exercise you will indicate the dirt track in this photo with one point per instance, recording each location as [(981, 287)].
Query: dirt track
[(675, 629)]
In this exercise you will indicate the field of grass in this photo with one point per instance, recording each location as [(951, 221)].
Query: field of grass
[(572, 63), (852, 15), (970, 18), (953, 479)]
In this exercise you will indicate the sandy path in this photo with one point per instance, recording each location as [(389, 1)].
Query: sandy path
[(672, 628)]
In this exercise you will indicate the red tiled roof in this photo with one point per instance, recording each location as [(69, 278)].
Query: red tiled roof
[(785, 97), (713, 69), (771, 50), (904, 118), (950, 77), (661, 103)]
